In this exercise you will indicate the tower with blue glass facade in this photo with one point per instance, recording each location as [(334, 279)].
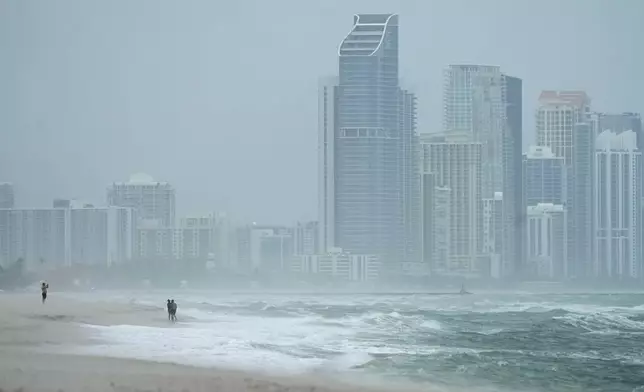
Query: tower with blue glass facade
[(368, 148)]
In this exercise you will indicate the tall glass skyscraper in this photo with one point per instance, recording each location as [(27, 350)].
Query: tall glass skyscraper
[(486, 104), (368, 148), (473, 103), (514, 208)]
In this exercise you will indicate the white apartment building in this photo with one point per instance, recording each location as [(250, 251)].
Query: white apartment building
[(101, 235), (338, 265), (198, 239), (55, 237), (223, 243), (271, 248), (38, 236), (441, 229), (435, 223), (560, 116), (306, 238), (617, 206), (154, 241), (557, 114), (546, 242), (151, 199), (455, 163), (196, 236)]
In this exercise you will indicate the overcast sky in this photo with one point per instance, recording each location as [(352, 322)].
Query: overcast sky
[(220, 97)]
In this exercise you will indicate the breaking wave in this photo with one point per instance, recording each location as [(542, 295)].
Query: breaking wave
[(520, 342)]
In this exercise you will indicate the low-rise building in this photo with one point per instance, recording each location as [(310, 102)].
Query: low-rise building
[(338, 265)]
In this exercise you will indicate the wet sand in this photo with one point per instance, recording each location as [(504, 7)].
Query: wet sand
[(27, 326)]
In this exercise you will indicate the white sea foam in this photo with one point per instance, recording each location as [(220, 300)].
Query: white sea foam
[(290, 344), (226, 340), (279, 334)]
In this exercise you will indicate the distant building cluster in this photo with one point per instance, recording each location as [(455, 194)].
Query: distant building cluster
[(138, 225), (67, 234), (464, 201)]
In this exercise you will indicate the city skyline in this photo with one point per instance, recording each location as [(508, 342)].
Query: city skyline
[(322, 195), (104, 117), (464, 200)]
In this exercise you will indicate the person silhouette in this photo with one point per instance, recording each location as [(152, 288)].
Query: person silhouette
[(43, 288), (173, 310)]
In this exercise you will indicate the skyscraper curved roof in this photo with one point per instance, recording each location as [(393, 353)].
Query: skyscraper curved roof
[(367, 34)]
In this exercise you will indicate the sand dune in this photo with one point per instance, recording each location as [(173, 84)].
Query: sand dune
[(26, 325)]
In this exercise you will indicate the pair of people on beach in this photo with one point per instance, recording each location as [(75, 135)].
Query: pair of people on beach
[(172, 310)]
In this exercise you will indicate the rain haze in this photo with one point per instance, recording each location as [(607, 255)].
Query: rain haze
[(321, 195), (220, 98)]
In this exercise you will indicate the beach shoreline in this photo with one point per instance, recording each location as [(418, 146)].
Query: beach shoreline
[(28, 370), (35, 337)]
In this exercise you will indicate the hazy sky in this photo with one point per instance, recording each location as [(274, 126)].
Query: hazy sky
[(219, 98)]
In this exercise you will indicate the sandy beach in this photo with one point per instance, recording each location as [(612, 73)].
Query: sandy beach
[(27, 326)]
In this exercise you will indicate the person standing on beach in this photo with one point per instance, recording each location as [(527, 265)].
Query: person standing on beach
[(173, 310), (169, 305), (43, 288)]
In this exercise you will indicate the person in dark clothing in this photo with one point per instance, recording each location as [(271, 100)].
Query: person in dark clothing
[(173, 310), (43, 288), (169, 306)]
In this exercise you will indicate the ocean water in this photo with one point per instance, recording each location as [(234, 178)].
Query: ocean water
[(507, 342)]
